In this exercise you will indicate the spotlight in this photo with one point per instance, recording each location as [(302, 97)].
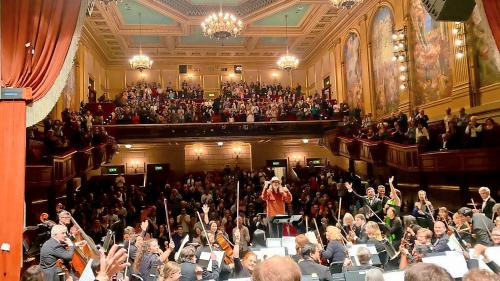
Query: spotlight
[(128, 146), (402, 86), (459, 54), (402, 77), (401, 58), (394, 58), (220, 143), (459, 42), (402, 68), (394, 36), (305, 141)]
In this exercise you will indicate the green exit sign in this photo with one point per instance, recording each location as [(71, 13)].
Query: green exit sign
[(158, 168), (113, 170), (316, 162), (211, 95), (276, 163)]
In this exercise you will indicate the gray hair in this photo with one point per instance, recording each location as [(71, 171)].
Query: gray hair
[(374, 274), (484, 188), (187, 254), (63, 213), (58, 228), (363, 255)]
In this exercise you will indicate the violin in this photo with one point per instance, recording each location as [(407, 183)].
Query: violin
[(226, 247)]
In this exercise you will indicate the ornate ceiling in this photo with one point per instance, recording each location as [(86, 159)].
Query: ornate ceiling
[(171, 30)]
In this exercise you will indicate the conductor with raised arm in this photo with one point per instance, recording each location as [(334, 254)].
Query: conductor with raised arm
[(372, 206), (275, 196)]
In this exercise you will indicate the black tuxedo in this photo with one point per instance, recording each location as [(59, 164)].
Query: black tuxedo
[(374, 203), (308, 267), (488, 208)]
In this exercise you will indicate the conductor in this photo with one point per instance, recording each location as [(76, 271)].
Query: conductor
[(275, 196)]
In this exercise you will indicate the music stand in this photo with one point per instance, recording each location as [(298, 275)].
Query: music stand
[(284, 219)]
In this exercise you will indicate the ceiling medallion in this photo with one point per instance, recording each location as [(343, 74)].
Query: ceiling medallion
[(140, 62), (287, 62), (222, 25), (345, 4)]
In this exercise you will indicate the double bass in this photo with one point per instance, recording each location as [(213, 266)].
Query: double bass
[(83, 254)]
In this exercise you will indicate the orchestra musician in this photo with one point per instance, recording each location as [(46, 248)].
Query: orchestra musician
[(245, 267), (395, 198), (275, 195), (423, 210), (360, 229), (59, 246), (441, 239), (310, 263), (372, 206), (153, 259), (191, 271), (65, 219), (394, 227), (481, 225), (488, 202), (335, 251)]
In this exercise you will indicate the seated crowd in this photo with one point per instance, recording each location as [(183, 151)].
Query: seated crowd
[(148, 103), (330, 203), (75, 130), (454, 132)]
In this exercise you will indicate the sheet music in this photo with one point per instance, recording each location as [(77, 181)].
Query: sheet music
[(88, 274), (273, 242), (206, 256), (453, 262), (269, 252), (493, 254), (288, 242), (354, 248), (395, 276)]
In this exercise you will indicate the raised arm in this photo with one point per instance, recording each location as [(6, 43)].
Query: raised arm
[(205, 209), (348, 185)]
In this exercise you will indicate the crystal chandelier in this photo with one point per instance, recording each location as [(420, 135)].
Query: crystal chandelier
[(221, 25), (106, 2), (140, 62), (287, 62), (345, 4)]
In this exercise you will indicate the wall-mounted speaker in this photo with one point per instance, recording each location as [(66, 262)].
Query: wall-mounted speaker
[(449, 10)]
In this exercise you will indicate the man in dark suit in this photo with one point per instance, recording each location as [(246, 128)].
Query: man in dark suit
[(364, 257), (360, 230), (53, 250), (488, 202), (481, 225), (309, 263), (372, 206), (381, 194), (190, 270)]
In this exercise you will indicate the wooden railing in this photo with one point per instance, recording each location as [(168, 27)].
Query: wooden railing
[(372, 151), (409, 158), (64, 167), (461, 160), (404, 157), (84, 159), (348, 147)]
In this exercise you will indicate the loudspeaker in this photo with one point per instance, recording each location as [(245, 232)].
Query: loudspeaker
[(183, 69), (449, 10)]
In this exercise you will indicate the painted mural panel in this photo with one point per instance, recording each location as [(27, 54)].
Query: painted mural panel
[(485, 49), (432, 73), (385, 72), (352, 63)]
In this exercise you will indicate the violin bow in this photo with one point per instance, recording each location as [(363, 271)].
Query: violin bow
[(168, 222), (204, 231)]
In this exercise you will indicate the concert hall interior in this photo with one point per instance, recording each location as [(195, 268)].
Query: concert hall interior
[(266, 140)]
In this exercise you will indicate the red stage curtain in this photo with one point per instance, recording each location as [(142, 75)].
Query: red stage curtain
[(492, 10), (48, 25)]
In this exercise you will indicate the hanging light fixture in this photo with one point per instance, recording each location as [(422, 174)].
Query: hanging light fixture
[(106, 2), (345, 4), (140, 62), (287, 62), (222, 25)]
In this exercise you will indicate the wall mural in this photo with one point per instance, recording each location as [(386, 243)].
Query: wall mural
[(485, 49), (352, 62), (432, 74), (385, 73)]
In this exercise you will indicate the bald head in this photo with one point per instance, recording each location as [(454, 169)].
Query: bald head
[(277, 269)]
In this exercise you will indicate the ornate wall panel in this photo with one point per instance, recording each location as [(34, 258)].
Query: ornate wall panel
[(385, 72), (430, 41), (352, 65)]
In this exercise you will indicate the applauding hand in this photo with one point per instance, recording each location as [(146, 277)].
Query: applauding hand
[(348, 185), (205, 208), (391, 179)]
